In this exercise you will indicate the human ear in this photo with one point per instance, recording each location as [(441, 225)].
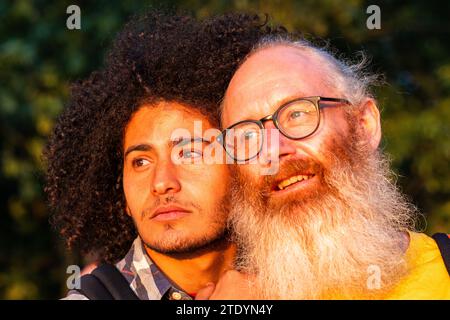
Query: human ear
[(369, 120), (128, 211)]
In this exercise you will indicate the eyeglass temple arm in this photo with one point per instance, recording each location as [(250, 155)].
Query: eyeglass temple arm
[(334, 100)]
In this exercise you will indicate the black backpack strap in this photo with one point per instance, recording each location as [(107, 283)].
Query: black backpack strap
[(443, 242), (93, 289), (106, 283)]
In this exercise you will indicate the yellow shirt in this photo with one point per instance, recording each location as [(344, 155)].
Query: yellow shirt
[(428, 278)]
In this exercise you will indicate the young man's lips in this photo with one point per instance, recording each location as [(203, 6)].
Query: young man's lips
[(169, 213)]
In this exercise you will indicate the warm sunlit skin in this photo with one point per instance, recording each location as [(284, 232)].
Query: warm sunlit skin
[(173, 205), (278, 74), (266, 80)]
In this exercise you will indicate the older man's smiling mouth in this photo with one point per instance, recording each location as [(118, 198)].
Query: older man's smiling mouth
[(292, 182)]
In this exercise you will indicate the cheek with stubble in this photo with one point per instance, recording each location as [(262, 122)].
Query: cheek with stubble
[(212, 195), (135, 196)]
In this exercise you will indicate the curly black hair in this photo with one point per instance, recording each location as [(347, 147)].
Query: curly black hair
[(157, 56)]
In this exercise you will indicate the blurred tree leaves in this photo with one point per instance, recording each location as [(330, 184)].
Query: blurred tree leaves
[(39, 57)]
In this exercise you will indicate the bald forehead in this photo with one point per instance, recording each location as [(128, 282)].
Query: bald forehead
[(272, 74), (278, 57)]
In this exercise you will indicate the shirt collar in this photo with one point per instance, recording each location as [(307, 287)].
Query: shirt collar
[(145, 278)]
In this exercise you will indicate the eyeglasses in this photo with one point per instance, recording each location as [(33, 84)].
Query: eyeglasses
[(296, 119)]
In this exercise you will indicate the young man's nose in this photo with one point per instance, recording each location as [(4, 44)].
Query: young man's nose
[(165, 178)]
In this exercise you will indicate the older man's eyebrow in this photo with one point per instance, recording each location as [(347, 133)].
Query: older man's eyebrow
[(290, 97), (277, 102), (138, 147), (183, 141)]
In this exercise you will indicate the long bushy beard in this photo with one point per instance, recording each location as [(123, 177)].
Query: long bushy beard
[(330, 243)]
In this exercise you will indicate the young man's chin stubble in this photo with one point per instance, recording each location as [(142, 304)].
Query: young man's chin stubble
[(183, 245)]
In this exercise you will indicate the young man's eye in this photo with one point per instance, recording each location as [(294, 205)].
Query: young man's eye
[(140, 162)]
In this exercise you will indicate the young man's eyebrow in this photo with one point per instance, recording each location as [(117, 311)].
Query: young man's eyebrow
[(177, 142), (138, 147)]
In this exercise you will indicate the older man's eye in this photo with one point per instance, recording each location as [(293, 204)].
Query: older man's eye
[(250, 135), (297, 114)]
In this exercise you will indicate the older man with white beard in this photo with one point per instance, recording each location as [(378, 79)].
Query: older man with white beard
[(330, 224)]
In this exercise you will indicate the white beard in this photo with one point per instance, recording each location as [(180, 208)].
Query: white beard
[(328, 246)]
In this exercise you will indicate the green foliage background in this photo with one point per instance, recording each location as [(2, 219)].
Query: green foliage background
[(39, 57)]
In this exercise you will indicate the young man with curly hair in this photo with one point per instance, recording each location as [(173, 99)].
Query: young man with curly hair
[(111, 180)]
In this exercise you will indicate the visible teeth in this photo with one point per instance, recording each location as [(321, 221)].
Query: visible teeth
[(285, 183)]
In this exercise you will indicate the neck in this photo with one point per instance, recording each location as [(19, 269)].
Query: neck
[(192, 271)]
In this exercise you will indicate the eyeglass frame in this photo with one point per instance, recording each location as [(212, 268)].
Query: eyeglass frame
[(274, 117)]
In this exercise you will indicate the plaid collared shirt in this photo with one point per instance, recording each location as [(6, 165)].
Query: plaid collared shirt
[(144, 277)]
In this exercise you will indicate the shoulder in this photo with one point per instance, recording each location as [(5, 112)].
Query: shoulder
[(427, 277), (422, 248)]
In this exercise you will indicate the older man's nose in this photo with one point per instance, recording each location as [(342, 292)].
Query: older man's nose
[(276, 144), (165, 178)]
